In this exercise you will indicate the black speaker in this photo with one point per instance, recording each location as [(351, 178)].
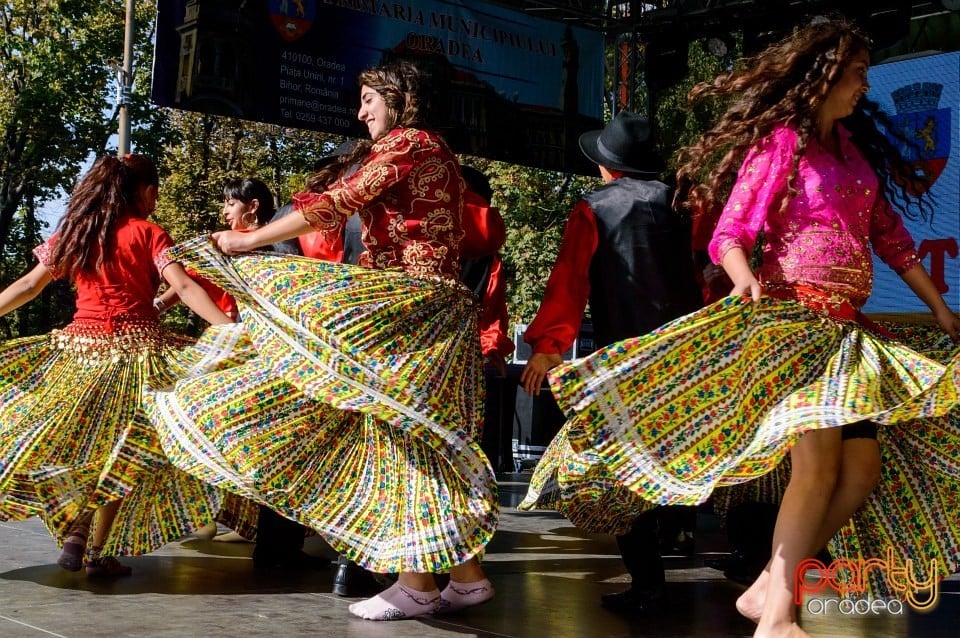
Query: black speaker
[(665, 61), (536, 420), (501, 396)]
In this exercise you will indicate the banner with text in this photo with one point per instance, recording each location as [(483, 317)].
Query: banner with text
[(922, 96), (509, 86)]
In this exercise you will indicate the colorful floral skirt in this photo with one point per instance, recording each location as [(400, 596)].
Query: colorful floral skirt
[(240, 515), (74, 435), (928, 340), (718, 397), (359, 417)]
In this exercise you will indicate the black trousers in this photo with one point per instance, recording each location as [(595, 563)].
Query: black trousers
[(277, 535), (640, 549)]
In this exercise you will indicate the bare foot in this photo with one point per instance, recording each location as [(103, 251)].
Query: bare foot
[(231, 537), (750, 603), (206, 532)]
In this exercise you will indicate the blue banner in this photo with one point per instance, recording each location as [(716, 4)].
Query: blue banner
[(510, 86), (922, 96)]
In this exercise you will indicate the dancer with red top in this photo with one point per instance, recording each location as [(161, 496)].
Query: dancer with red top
[(75, 439), (247, 204)]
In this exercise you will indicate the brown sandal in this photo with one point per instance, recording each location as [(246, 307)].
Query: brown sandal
[(104, 566), (107, 567)]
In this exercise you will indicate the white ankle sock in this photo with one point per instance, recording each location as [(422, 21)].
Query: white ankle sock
[(457, 596), (397, 603)]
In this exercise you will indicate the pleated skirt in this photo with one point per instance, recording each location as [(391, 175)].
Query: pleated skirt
[(359, 416), (717, 399), (74, 435)]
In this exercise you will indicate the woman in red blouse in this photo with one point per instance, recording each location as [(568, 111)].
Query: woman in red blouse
[(247, 204), (361, 417), (74, 440)]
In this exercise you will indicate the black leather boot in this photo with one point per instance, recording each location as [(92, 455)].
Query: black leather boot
[(353, 580), (280, 544), (640, 550)]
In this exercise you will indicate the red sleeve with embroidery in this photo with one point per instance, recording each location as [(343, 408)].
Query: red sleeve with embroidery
[(557, 323), (159, 243), (389, 162), (162, 260), (42, 253)]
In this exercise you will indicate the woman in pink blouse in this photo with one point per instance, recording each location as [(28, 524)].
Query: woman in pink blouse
[(787, 363), (821, 196)]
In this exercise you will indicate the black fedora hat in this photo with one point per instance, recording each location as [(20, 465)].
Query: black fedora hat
[(623, 145)]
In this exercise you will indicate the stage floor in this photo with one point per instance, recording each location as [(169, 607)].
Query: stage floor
[(549, 578)]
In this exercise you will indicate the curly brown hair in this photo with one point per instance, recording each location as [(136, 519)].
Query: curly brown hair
[(404, 88), (787, 83), (111, 189)]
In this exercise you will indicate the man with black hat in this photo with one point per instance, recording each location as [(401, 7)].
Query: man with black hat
[(627, 252)]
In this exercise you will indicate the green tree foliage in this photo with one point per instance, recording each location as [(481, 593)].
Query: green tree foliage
[(677, 124), (55, 80)]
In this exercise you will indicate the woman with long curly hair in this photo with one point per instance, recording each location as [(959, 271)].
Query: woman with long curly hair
[(75, 443), (787, 363), (360, 417), (803, 120)]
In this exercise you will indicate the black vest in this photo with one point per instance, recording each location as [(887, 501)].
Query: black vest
[(641, 275), (352, 240)]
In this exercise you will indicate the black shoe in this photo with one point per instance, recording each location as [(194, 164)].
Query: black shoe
[(722, 563), (297, 559), (634, 600), (737, 568), (353, 580)]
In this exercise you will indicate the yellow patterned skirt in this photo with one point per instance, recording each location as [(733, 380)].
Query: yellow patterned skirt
[(928, 340), (359, 417), (74, 435), (717, 398), (240, 515)]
